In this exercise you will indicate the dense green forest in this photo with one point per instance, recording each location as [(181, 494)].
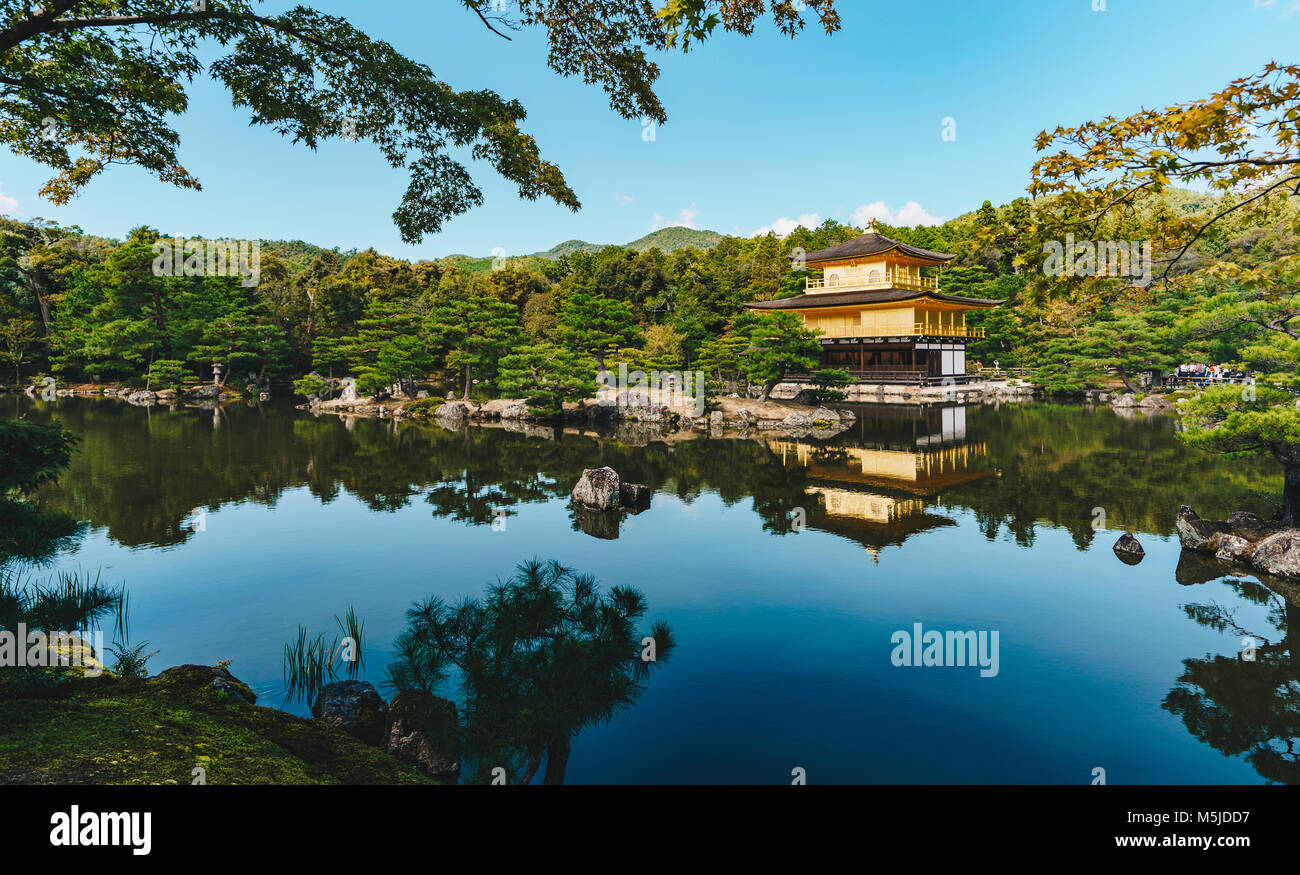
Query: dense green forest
[(81, 307)]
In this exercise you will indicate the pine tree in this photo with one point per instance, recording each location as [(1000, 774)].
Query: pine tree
[(547, 376), (779, 343), (474, 330)]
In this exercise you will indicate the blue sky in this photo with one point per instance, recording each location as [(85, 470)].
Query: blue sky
[(762, 132)]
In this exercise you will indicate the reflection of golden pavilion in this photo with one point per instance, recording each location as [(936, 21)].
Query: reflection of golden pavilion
[(878, 496), (866, 505), (921, 472)]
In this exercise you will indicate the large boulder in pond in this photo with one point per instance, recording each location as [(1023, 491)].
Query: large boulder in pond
[(598, 488), (1194, 532), (1129, 549), (355, 707), (1279, 554)]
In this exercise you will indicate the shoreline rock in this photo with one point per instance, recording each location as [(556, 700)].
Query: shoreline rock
[(355, 707), (1243, 539)]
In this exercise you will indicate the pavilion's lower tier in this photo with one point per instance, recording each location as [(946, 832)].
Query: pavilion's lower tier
[(896, 360)]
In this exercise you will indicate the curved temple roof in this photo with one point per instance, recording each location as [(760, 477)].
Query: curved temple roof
[(883, 296), (874, 243)]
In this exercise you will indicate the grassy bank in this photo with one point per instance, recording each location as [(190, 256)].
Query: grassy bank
[(110, 730)]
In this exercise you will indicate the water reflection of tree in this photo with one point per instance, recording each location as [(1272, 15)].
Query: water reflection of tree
[(32, 455), (1241, 707), (543, 656), (142, 476), (1056, 463)]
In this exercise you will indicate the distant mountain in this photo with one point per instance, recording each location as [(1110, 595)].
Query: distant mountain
[(665, 239)]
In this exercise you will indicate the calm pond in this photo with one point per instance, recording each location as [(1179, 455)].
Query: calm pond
[(230, 528)]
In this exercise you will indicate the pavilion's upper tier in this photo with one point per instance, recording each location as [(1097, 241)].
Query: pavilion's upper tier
[(872, 261), (874, 246)]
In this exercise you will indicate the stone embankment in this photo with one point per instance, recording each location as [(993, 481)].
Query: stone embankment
[(627, 408), (889, 393)]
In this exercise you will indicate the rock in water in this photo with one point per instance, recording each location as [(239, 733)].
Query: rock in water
[(1194, 532), (598, 488), (1279, 554), (353, 706), (1230, 547), (634, 496), (1129, 550), (1244, 521)]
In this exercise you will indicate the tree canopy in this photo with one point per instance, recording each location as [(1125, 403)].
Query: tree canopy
[(85, 84)]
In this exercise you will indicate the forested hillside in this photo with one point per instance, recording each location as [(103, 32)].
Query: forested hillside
[(81, 307)]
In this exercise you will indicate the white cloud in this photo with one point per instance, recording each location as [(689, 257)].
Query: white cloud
[(785, 225), (878, 210), (1289, 10), (685, 219), (8, 205), (624, 198), (911, 215)]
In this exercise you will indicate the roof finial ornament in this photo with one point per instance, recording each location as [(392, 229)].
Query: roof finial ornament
[(873, 225)]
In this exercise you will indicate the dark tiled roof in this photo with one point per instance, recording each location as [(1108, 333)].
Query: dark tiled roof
[(880, 296), (873, 243)]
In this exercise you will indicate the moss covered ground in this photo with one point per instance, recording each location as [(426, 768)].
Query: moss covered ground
[(110, 730)]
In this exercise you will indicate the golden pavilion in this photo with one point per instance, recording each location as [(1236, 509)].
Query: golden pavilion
[(880, 316)]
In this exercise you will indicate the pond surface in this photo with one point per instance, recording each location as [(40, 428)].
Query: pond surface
[(785, 568)]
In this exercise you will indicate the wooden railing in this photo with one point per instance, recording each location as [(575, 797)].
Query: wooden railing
[(963, 331), (921, 329), (854, 281)]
